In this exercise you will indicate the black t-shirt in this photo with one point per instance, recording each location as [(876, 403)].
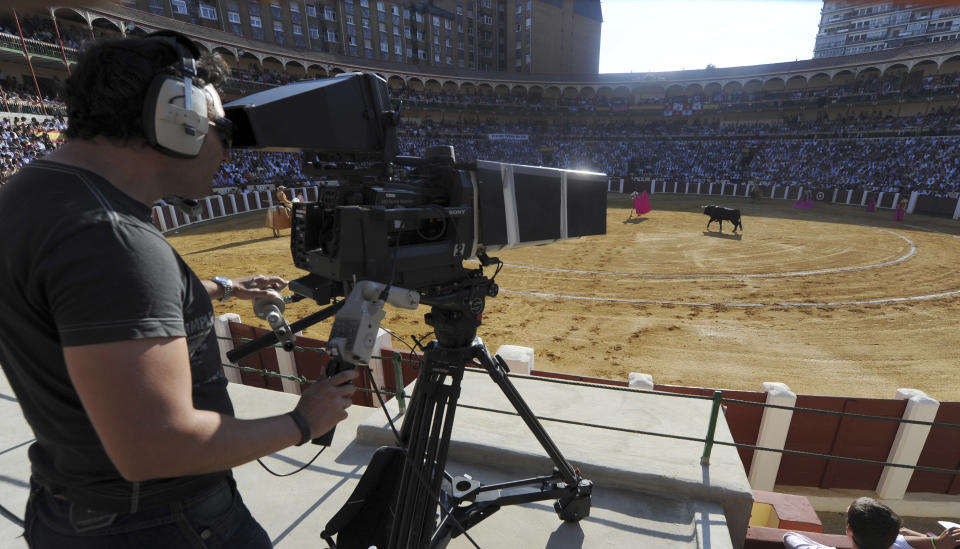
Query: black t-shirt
[(82, 264)]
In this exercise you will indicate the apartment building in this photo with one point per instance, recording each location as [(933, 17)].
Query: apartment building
[(529, 36), (851, 26)]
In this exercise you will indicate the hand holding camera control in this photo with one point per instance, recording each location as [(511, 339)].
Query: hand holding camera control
[(324, 404)]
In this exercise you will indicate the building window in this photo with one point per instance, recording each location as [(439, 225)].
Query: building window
[(329, 14), (314, 33), (156, 7), (255, 21), (398, 49), (311, 10), (384, 47), (233, 17), (178, 6), (331, 36), (297, 30), (208, 12)]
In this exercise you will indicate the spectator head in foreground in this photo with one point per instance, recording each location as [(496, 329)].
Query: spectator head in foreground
[(871, 524)]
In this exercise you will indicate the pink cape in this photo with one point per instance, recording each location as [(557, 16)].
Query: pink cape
[(899, 214), (871, 205), (803, 204), (641, 204)]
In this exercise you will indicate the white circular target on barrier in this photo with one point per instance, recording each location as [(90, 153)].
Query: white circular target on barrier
[(820, 195)]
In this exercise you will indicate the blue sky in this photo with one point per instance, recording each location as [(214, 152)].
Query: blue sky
[(666, 35)]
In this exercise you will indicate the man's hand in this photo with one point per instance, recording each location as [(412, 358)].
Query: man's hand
[(325, 403), (252, 287)]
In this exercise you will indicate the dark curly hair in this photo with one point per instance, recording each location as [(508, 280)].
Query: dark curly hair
[(873, 524), (105, 93)]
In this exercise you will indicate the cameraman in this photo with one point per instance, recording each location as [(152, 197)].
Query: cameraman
[(108, 338)]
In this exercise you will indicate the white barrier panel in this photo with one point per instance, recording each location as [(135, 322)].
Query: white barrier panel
[(221, 326), (774, 426), (518, 358), (908, 443)]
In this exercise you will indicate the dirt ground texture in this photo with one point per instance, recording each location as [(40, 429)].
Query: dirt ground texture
[(832, 301)]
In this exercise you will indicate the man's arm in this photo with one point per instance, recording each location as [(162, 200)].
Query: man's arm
[(138, 396), (793, 540), (250, 287)]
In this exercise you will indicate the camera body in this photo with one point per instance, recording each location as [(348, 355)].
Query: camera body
[(399, 220)]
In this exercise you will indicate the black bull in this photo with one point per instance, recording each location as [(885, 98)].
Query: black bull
[(721, 214)]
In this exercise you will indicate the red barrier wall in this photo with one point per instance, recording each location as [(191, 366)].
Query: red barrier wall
[(942, 450)]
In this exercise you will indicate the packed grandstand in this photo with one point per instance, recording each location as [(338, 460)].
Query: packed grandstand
[(890, 123)]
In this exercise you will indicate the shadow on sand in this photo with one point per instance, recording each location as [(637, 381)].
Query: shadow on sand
[(722, 235), (634, 220)]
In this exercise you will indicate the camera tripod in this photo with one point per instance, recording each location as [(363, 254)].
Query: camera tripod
[(395, 503), (410, 517)]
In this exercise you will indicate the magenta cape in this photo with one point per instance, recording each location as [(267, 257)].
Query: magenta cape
[(641, 204)]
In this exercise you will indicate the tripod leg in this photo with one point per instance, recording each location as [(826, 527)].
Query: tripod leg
[(426, 436), (498, 372)]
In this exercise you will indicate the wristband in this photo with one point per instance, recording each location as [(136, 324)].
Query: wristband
[(302, 424)]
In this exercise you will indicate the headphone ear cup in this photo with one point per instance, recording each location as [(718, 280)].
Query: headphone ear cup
[(167, 125)]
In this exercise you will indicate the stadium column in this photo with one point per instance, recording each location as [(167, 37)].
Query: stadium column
[(774, 426), (908, 443)]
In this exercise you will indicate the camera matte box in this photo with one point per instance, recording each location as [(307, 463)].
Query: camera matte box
[(527, 205)]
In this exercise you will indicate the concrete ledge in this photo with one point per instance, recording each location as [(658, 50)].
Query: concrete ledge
[(646, 464)]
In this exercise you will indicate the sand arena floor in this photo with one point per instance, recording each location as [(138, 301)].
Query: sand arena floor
[(832, 301)]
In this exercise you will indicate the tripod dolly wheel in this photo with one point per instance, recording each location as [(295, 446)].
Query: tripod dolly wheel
[(574, 508)]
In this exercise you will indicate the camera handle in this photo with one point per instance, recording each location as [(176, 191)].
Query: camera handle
[(271, 309), (356, 325), (270, 338)]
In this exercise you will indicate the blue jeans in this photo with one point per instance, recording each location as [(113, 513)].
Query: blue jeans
[(214, 519)]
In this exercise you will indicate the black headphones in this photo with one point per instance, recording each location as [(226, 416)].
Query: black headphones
[(175, 118)]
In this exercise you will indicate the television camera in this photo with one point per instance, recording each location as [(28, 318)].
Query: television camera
[(385, 222)]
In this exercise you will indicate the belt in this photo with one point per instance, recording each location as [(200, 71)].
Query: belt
[(137, 500)]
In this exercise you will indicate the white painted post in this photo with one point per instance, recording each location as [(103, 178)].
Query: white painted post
[(209, 204), (257, 197), (221, 326), (913, 201), (640, 381), (223, 211), (879, 198), (723, 188), (380, 368), (163, 223), (233, 202), (773, 191), (956, 211), (863, 199), (246, 203), (834, 199), (686, 190), (518, 358), (173, 217), (698, 186), (676, 185), (773, 434), (849, 195), (908, 443), (287, 364)]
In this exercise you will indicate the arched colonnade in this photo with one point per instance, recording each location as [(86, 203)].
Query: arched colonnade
[(645, 87)]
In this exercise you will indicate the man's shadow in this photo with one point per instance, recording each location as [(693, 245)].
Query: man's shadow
[(634, 220), (732, 236)]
